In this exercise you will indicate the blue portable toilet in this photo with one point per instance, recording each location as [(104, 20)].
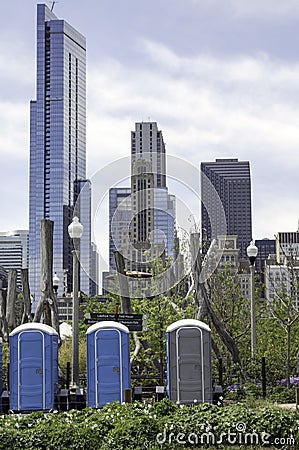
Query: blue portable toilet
[(33, 367), (0, 369), (108, 363), (189, 362)]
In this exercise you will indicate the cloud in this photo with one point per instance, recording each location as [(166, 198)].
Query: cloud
[(243, 106), (207, 106), (225, 101), (14, 141), (253, 8), (16, 67), (271, 8)]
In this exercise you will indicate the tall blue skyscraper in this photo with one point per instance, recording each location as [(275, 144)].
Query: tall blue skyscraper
[(57, 142)]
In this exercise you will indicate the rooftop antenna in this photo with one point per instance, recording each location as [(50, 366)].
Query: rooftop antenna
[(52, 6)]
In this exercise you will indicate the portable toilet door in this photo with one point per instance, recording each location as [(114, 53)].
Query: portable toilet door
[(0, 371), (108, 363), (33, 367), (189, 363)]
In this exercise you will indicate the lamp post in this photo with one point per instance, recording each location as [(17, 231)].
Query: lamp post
[(252, 252), (75, 230)]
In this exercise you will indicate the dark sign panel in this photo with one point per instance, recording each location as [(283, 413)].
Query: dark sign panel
[(134, 322)]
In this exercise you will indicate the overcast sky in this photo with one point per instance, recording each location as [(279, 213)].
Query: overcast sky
[(220, 77)]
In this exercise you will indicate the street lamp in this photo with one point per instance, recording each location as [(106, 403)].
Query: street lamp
[(55, 283), (252, 252), (75, 230)]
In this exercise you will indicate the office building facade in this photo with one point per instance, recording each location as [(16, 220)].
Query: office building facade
[(281, 284), (153, 209), (14, 252), (287, 246), (57, 142), (266, 247), (226, 201), (142, 217), (119, 219)]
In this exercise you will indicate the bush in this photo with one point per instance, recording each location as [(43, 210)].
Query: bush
[(274, 393), (139, 426)]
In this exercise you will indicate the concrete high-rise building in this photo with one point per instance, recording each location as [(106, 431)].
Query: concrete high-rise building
[(229, 181), (14, 252), (287, 246), (147, 144), (153, 209), (57, 143), (230, 259), (142, 218), (281, 281)]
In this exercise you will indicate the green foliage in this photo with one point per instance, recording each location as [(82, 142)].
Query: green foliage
[(251, 392), (161, 311), (232, 309), (5, 360), (65, 355), (139, 426)]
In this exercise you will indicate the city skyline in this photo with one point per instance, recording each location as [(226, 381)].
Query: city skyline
[(212, 94), (58, 186)]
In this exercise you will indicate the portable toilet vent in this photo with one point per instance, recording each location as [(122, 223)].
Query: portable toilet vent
[(33, 367), (189, 362), (108, 363)]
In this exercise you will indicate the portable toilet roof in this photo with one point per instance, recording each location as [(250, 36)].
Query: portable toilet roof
[(34, 326), (187, 323), (107, 324)]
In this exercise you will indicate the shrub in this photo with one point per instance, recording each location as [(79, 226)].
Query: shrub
[(137, 425)]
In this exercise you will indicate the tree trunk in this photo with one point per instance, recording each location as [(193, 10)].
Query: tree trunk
[(216, 349), (47, 304), (137, 346), (11, 299), (205, 308), (3, 321), (288, 365), (26, 295), (196, 270), (126, 302), (226, 338), (123, 283)]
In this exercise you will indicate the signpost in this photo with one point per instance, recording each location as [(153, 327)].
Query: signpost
[(134, 322)]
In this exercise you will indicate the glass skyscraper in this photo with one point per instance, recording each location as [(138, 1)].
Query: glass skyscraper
[(120, 216), (57, 142)]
